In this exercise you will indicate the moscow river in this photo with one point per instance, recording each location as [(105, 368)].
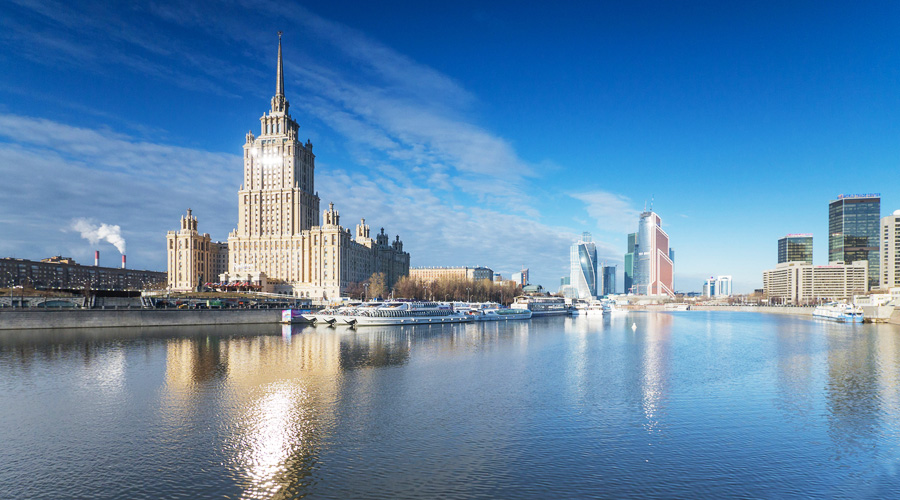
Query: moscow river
[(686, 405)]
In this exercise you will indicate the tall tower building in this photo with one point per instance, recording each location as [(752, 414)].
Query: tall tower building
[(653, 268), (853, 227), (278, 233), (277, 200), (795, 248), (609, 280), (629, 262), (889, 251), (583, 267)]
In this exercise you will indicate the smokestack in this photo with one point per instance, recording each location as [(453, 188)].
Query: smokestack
[(96, 258), (123, 261)]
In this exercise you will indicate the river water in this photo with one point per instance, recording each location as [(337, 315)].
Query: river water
[(688, 404)]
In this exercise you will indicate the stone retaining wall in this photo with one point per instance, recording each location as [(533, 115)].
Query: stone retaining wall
[(803, 311), (89, 318)]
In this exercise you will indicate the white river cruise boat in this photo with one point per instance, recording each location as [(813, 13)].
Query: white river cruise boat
[(500, 314), (839, 312), (408, 313), (541, 306)]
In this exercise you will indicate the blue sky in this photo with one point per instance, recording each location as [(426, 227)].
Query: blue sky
[(482, 133)]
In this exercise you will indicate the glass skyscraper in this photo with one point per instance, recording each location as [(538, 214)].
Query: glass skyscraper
[(653, 268), (583, 267), (629, 262), (795, 248), (609, 280), (853, 225)]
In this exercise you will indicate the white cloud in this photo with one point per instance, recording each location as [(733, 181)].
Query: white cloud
[(612, 212), (63, 172)]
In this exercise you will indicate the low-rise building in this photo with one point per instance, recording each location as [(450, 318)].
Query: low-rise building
[(432, 274), (63, 273), (799, 283), (193, 258)]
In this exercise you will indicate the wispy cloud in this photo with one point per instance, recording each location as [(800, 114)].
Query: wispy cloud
[(612, 212), (63, 172)]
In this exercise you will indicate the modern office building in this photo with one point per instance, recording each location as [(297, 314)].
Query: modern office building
[(795, 248), (653, 268), (278, 235), (889, 251), (608, 276), (717, 287), (193, 258), (432, 274), (854, 222), (629, 262), (521, 278), (583, 267), (798, 283), (63, 273), (723, 286)]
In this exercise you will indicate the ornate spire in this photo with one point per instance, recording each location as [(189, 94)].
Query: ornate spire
[(279, 103), (279, 84)]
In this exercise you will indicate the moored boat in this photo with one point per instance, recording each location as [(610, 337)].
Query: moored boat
[(410, 313), (541, 306), (839, 312), (502, 314)]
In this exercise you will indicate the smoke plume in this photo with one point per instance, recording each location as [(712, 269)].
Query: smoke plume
[(103, 232)]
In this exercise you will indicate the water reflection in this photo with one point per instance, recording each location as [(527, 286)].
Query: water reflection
[(475, 410), (795, 348), (852, 390), (653, 334), (638, 360)]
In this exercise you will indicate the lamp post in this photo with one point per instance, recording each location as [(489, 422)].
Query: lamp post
[(468, 294), (365, 291)]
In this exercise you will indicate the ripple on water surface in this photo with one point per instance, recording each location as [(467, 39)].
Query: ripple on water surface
[(687, 404)]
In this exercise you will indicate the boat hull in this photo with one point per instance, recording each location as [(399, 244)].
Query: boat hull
[(411, 320)]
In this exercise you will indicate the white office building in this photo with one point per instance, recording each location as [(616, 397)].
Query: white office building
[(799, 283)]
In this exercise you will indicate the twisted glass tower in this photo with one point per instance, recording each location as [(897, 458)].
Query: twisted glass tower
[(583, 267)]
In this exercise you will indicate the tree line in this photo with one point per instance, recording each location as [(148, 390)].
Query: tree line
[(444, 289)]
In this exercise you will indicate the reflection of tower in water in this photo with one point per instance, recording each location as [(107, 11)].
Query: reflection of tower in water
[(853, 393), (654, 331), (795, 366), (276, 399)]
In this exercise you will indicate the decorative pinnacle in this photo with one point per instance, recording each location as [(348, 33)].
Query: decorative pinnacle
[(279, 84)]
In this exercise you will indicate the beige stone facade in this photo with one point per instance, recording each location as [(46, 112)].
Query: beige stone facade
[(890, 251), (432, 274), (278, 231), (193, 258), (799, 283)]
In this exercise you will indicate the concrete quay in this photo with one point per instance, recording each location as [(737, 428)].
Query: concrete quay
[(795, 311), (115, 318)]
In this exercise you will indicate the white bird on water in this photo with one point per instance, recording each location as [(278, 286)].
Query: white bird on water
[(633, 326)]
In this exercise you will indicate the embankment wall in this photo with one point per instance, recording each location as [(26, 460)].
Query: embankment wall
[(801, 311), (88, 318)]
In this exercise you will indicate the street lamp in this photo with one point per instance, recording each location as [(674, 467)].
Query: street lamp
[(365, 292), (468, 294)]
